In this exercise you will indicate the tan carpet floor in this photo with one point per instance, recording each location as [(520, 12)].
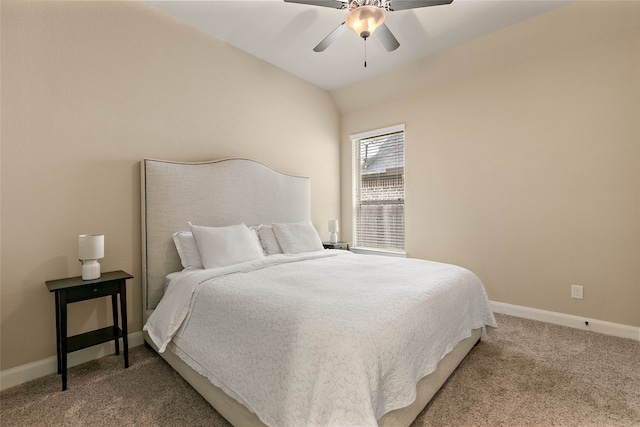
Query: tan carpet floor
[(524, 373)]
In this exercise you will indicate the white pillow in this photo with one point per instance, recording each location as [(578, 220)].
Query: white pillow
[(187, 249), (297, 237), (222, 246), (254, 233), (268, 240)]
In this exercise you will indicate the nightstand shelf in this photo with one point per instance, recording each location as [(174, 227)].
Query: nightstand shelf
[(74, 289), (89, 339)]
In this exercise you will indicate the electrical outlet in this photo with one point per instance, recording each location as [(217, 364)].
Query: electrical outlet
[(577, 292)]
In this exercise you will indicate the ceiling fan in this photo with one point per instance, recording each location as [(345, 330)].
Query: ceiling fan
[(366, 16)]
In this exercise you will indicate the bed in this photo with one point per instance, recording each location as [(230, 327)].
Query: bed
[(302, 335)]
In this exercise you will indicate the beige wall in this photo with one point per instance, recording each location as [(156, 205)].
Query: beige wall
[(523, 158), (91, 88)]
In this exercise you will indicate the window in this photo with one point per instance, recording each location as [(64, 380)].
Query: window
[(378, 169)]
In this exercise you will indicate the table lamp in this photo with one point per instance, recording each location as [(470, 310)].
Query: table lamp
[(333, 231), (90, 250)]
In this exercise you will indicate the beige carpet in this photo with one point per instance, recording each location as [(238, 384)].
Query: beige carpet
[(524, 373)]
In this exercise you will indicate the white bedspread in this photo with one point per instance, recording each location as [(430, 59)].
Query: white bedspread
[(320, 339)]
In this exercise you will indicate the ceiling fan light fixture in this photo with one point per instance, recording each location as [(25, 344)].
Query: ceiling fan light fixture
[(365, 19)]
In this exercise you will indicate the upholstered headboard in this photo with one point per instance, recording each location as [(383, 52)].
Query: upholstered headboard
[(214, 193)]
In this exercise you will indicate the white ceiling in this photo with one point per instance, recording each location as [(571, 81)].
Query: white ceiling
[(284, 34)]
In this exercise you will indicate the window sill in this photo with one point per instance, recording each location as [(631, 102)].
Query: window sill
[(370, 251)]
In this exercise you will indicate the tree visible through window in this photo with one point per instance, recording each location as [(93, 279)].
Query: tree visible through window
[(379, 189)]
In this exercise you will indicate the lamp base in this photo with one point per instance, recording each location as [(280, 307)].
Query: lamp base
[(90, 269), (333, 237)]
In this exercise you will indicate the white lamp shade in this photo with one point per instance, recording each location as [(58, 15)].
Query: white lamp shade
[(90, 246)]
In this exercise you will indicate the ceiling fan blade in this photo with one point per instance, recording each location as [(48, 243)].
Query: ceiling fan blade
[(386, 38), (414, 4), (333, 36), (324, 3)]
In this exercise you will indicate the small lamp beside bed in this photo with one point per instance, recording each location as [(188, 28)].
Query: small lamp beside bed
[(90, 250), (333, 231)]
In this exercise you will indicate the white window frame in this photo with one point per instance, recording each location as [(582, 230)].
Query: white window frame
[(356, 181)]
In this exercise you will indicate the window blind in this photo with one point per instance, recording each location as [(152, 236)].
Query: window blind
[(379, 191)]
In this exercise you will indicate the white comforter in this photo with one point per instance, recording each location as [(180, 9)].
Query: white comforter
[(320, 339)]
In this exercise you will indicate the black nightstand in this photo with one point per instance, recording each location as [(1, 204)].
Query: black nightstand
[(339, 245), (75, 289)]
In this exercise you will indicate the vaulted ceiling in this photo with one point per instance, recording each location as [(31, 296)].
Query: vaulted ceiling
[(284, 34)]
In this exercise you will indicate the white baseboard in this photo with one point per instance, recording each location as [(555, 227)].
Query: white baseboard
[(595, 325), (31, 371)]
